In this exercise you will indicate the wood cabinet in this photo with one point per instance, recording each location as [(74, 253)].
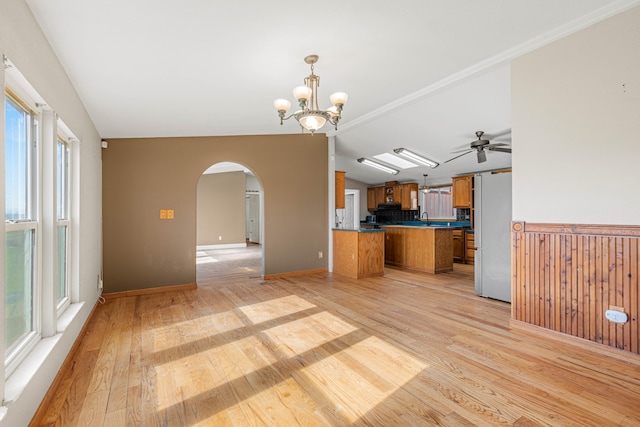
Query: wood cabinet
[(393, 246), (458, 245), (375, 197), (462, 188), (379, 196), (392, 194), (409, 200), (406, 195), (358, 254), (372, 205), (339, 189), (470, 248), (425, 249)]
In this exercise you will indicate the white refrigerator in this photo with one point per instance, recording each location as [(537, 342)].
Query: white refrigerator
[(492, 226)]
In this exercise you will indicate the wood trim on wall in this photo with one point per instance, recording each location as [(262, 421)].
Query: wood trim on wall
[(565, 277), (149, 291)]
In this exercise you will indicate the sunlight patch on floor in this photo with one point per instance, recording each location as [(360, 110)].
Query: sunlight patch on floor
[(275, 308), (338, 376), (300, 336), (317, 355), (205, 260)]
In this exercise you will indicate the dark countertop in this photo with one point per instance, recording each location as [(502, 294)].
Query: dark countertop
[(421, 224), (359, 230)]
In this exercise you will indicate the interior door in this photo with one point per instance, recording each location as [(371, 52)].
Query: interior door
[(253, 218)]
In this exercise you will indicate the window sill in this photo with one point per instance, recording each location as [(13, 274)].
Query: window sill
[(31, 365)]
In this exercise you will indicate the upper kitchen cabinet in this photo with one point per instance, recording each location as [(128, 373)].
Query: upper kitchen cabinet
[(375, 197), (340, 190), (410, 196), (462, 189), (392, 193)]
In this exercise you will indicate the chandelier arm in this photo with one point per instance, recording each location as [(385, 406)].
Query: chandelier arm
[(283, 118)]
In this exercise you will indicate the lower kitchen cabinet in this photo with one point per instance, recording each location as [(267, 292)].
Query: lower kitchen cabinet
[(358, 253), (470, 251), (458, 246), (427, 249)]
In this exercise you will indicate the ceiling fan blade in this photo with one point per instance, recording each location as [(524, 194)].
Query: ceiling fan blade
[(502, 150), (482, 156), (453, 158), (497, 144), (460, 151)]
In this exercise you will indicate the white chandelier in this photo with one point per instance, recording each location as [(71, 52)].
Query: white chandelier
[(310, 116)]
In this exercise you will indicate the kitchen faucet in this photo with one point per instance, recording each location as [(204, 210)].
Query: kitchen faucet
[(425, 213)]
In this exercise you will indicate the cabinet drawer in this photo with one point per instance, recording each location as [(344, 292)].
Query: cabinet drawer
[(469, 256)]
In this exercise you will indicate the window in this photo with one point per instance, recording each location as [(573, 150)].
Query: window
[(21, 226), (438, 202), (62, 223)]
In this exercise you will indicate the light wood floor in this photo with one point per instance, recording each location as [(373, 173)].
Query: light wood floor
[(406, 350)]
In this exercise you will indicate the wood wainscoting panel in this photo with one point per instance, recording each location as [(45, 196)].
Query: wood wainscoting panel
[(565, 278)]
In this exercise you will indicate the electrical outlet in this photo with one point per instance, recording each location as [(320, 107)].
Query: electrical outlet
[(219, 237), (320, 254), (99, 283), (170, 214), (163, 214)]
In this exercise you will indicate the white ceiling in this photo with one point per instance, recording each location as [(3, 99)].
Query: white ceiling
[(420, 74)]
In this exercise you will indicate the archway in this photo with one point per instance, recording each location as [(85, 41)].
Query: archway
[(229, 218)]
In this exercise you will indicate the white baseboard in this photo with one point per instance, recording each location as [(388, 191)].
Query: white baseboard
[(227, 246)]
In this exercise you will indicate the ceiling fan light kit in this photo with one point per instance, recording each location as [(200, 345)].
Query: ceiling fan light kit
[(310, 116), (416, 157), (480, 146), (379, 166)]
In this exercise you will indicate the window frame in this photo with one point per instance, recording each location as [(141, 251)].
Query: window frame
[(15, 353), (63, 220)]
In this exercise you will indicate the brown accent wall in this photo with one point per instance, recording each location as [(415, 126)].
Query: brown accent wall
[(565, 277), (142, 176), (221, 209)]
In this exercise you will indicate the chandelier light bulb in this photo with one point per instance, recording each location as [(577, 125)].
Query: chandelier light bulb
[(282, 105), (339, 98), (302, 92)]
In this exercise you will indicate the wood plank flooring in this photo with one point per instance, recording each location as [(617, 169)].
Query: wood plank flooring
[(406, 349)]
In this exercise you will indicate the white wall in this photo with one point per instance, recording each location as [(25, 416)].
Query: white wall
[(576, 127), (22, 41)]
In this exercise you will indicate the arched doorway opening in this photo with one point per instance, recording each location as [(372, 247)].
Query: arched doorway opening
[(229, 218)]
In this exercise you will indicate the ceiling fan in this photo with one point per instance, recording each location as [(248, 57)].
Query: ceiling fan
[(480, 146)]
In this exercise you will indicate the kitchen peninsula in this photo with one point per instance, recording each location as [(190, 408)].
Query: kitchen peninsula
[(358, 253)]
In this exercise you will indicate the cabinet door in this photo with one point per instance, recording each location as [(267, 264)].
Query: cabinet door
[(389, 249), (394, 246), (410, 196), (379, 196), (462, 191), (372, 203), (458, 246), (339, 189), (470, 251)]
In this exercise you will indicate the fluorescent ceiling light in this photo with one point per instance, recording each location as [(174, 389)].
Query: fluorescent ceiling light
[(377, 165), (395, 160), (416, 157)]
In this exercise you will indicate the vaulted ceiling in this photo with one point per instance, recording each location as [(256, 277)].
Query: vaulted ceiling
[(420, 74)]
